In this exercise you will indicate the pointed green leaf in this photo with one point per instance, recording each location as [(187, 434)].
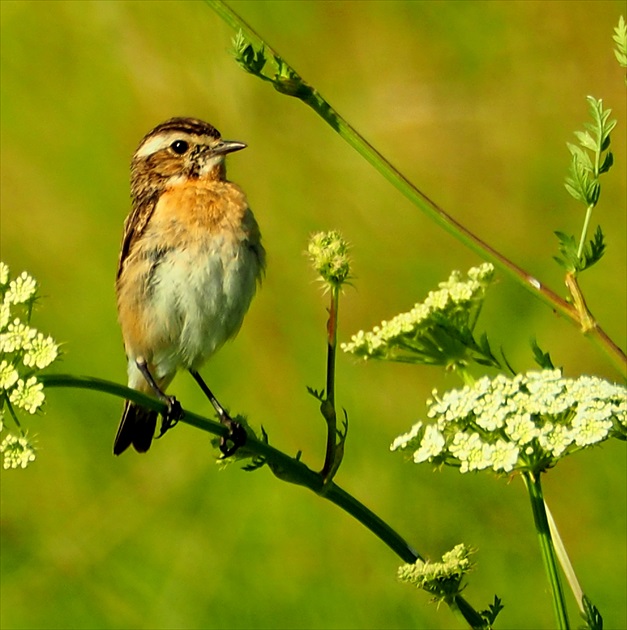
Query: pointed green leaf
[(574, 191), (317, 394), (591, 615), (586, 140), (607, 163), (605, 138), (562, 263), (584, 162), (543, 359), (568, 249), (593, 192), (594, 250)]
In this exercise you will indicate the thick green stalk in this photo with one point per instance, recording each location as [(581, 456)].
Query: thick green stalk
[(369, 519), (328, 405), (534, 487), (282, 465), (332, 343)]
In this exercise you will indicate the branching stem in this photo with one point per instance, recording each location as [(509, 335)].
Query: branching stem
[(297, 87), (282, 465)]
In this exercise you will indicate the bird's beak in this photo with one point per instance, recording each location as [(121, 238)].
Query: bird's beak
[(227, 146)]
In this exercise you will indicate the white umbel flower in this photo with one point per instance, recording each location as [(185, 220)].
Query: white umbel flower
[(527, 422)]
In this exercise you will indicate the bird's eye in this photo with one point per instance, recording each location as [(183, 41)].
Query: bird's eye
[(179, 146)]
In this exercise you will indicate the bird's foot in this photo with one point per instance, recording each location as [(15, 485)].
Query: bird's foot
[(235, 438), (172, 415), (236, 435)]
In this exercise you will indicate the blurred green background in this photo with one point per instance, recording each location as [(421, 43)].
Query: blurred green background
[(474, 102)]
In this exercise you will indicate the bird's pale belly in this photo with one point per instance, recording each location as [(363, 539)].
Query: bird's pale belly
[(196, 300)]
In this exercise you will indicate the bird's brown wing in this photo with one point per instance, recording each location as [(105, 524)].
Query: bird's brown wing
[(134, 227)]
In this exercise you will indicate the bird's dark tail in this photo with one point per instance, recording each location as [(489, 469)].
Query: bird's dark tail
[(137, 428)]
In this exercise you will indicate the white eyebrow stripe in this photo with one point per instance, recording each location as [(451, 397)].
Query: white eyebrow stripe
[(158, 142), (164, 140)]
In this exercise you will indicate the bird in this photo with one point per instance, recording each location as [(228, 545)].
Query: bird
[(190, 262)]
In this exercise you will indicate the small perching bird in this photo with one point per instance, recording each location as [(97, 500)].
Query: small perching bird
[(189, 266)]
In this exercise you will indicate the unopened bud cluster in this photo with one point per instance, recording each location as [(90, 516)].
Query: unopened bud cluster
[(442, 579), (328, 253)]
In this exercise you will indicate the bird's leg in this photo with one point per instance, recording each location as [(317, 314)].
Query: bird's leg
[(237, 434), (174, 412)]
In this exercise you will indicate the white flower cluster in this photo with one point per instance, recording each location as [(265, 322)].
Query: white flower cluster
[(525, 423), (442, 579), (409, 336), (23, 351), (17, 452)]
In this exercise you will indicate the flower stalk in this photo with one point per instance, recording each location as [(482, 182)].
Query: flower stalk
[(534, 487), (334, 450), (328, 253)]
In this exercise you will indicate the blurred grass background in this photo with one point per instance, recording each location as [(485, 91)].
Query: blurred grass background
[(473, 101)]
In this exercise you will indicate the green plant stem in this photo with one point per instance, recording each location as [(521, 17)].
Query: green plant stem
[(282, 465), (564, 560), (12, 413), (332, 343), (312, 97), (586, 224), (328, 406), (334, 493), (534, 487), (349, 504)]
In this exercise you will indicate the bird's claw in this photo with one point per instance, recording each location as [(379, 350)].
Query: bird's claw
[(172, 415), (234, 439)]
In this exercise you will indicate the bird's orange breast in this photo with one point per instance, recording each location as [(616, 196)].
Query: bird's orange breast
[(189, 278), (195, 209)]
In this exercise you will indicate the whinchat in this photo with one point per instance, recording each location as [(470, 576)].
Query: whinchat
[(189, 266)]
